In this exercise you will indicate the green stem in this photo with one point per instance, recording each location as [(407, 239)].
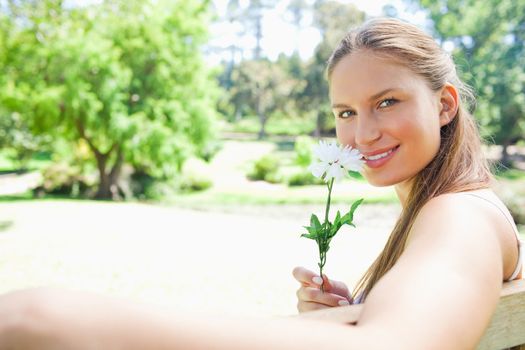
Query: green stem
[(330, 185), (324, 236)]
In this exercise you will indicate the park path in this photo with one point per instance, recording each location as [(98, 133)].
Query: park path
[(238, 264), (231, 163), (12, 184)]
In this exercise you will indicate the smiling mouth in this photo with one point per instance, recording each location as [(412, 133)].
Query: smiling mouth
[(381, 155)]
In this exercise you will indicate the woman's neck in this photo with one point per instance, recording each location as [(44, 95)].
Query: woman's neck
[(403, 190)]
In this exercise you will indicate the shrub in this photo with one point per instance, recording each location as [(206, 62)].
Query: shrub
[(63, 179), (303, 179), (303, 150), (265, 168), (195, 175), (512, 193)]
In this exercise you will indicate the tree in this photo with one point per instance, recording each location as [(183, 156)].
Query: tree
[(297, 9), (489, 37), (125, 77), (263, 86), (333, 19), (250, 17)]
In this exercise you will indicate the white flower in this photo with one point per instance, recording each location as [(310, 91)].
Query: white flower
[(334, 161)]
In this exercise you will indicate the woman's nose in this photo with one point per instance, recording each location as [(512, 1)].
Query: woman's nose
[(367, 131)]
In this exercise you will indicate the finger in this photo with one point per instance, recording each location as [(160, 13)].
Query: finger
[(336, 287), (306, 277), (305, 306), (327, 285), (312, 294)]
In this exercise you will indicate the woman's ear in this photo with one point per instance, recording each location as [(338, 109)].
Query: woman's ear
[(449, 102)]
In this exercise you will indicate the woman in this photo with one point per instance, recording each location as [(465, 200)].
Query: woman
[(397, 98)]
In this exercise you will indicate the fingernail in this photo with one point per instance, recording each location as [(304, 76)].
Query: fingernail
[(317, 280), (343, 303)]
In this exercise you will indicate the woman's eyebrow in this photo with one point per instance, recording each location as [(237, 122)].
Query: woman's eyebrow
[(340, 106), (372, 98), (381, 93)]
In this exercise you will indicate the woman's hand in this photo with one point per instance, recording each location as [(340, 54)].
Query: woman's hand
[(309, 295)]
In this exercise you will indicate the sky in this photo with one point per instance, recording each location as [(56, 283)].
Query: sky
[(278, 35), (282, 37)]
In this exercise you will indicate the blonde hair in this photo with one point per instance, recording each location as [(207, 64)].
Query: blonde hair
[(459, 165)]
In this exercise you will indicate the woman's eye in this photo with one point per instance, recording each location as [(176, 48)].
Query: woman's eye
[(388, 102), (346, 114)]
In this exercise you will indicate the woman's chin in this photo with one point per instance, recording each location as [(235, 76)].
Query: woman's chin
[(380, 181)]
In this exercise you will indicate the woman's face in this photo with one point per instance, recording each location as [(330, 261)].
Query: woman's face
[(388, 113)]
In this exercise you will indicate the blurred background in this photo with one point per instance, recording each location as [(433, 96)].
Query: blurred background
[(157, 149)]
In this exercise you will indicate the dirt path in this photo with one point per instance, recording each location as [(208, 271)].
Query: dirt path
[(237, 264)]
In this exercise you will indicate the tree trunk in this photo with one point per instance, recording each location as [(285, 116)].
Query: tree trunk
[(114, 176), (258, 37), (103, 191), (107, 188), (262, 130), (261, 115), (318, 125), (505, 157), (108, 185)]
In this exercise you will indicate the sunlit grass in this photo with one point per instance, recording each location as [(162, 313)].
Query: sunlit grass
[(39, 160), (274, 126), (290, 197), (511, 174)]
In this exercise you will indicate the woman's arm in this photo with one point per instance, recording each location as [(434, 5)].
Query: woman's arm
[(441, 294), (67, 320), (445, 287)]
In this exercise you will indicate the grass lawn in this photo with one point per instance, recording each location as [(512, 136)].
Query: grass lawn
[(38, 161)]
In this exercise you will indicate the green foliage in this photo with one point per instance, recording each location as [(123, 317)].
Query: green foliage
[(288, 89), (303, 158), (303, 178), (280, 125), (488, 38), (516, 205), (333, 19), (63, 179), (195, 176), (263, 87), (303, 150), (265, 168), (513, 195), (511, 174), (323, 233), (126, 77)]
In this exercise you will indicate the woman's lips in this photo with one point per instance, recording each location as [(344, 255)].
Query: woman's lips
[(379, 160)]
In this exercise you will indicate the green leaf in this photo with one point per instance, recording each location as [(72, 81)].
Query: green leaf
[(336, 226), (337, 218), (349, 217), (312, 232), (314, 222), (309, 235)]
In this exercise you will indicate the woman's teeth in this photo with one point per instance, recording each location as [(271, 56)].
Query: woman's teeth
[(379, 156)]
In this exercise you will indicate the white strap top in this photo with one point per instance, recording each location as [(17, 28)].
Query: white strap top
[(519, 265), (521, 243), (521, 249)]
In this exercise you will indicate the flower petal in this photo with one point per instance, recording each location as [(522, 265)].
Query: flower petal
[(318, 169), (351, 159), (327, 152), (335, 171)]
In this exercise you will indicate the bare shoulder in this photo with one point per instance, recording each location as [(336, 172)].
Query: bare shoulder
[(476, 214), (480, 216), (449, 274)]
